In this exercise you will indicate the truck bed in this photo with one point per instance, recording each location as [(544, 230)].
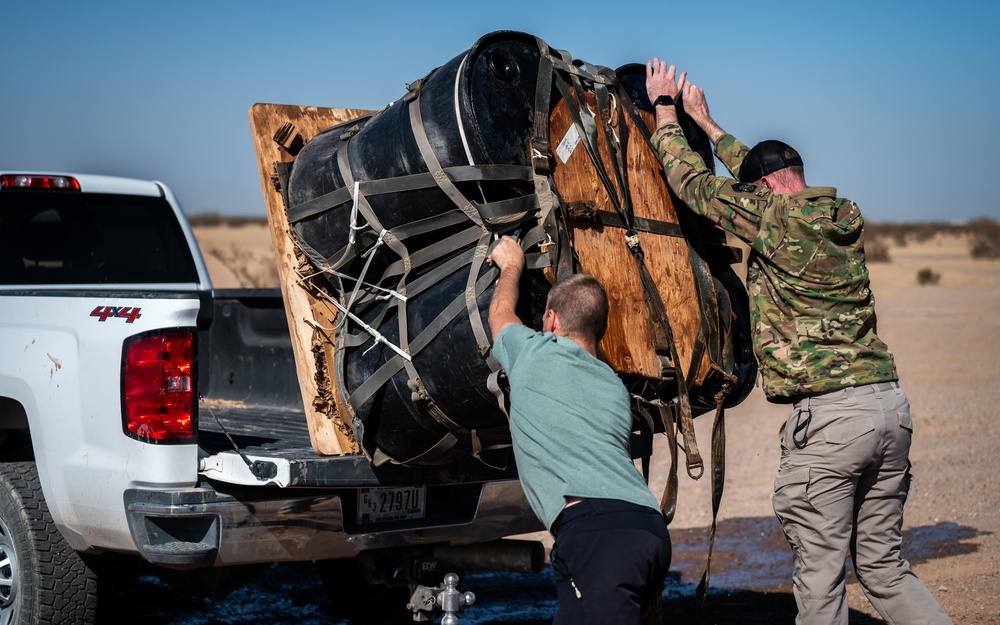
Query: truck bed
[(252, 427), (281, 438)]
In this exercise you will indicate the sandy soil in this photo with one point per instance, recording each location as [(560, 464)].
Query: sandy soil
[(945, 337)]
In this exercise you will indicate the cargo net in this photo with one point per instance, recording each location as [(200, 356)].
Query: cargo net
[(397, 214)]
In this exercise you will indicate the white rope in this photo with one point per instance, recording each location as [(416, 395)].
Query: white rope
[(614, 107), (461, 126), (389, 293), (458, 112), (375, 334), (371, 255), (354, 215)]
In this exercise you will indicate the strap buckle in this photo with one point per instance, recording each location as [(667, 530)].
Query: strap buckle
[(540, 161)]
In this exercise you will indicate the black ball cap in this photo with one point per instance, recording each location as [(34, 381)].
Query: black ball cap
[(766, 157)]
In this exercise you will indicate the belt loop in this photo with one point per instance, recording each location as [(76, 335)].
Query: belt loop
[(878, 390)]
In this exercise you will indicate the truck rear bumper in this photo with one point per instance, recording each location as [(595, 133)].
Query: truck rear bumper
[(201, 527)]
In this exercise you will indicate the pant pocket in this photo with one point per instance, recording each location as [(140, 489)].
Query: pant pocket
[(797, 515)]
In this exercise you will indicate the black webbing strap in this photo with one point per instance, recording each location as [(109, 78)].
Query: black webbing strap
[(401, 232), (707, 329), (572, 94), (541, 148), (719, 433), (414, 288), (646, 436), (668, 501), (718, 483), (392, 366), (640, 224), (410, 182), (664, 339), (477, 325), (709, 332), (437, 172)]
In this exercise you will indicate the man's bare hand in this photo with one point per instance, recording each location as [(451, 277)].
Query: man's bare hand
[(694, 102), (661, 79), (507, 255), (696, 106)]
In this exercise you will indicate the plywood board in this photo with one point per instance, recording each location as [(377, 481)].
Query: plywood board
[(311, 319), (628, 345)]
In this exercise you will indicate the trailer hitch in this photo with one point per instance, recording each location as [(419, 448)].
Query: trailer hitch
[(425, 603)]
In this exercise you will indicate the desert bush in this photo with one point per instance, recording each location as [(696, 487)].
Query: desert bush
[(985, 238), (209, 220), (896, 232), (253, 269), (902, 232), (928, 277), (877, 250)]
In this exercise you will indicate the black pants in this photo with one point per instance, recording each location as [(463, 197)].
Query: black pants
[(610, 557)]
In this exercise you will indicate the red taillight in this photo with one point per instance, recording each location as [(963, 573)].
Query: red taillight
[(26, 181), (159, 391)]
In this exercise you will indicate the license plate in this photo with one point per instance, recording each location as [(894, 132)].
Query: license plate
[(378, 505)]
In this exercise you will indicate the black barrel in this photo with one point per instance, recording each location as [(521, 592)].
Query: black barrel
[(477, 113)]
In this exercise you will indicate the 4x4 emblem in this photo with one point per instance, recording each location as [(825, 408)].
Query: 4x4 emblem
[(128, 313)]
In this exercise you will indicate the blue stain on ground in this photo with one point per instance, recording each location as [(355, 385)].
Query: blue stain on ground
[(750, 583)]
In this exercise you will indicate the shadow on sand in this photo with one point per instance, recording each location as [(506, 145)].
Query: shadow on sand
[(750, 585)]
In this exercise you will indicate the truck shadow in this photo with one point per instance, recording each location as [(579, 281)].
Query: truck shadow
[(750, 585)]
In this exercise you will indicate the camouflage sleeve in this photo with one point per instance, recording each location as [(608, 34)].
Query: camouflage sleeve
[(731, 151), (735, 206)]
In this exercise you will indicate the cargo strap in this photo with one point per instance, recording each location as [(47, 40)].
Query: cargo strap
[(719, 434)]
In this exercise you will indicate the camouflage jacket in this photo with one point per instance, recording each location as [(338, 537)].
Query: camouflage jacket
[(811, 302)]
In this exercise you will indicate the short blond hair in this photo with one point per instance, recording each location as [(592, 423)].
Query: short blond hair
[(582, 305)]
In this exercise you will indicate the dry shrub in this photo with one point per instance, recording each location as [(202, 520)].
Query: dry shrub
[(877, 250), (985, 238), (928, 277), (207, 220), (902, 232), (252, 269)]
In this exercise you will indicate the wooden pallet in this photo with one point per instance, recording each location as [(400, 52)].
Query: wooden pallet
[(277, 130)]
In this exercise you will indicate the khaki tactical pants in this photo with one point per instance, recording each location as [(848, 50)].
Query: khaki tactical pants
[(841, 485)]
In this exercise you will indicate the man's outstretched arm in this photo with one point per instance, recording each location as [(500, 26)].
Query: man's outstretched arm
[(508, 257)]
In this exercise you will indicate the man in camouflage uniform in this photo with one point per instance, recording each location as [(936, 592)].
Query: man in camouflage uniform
[(844, 471)]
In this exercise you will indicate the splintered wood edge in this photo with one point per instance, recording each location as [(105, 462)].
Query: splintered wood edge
[(329, 432)]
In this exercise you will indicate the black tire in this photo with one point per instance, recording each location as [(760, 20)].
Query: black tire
[(42, 580)]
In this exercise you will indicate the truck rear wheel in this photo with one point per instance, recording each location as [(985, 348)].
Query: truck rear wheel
[(42, 580)]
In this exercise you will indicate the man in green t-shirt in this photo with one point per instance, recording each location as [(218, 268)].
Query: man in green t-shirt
[(570, 421), (844, 472)]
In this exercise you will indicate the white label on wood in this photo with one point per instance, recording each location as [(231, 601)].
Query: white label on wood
[(569, 142)]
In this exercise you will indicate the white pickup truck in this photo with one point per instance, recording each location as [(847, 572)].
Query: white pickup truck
[(144, 414)]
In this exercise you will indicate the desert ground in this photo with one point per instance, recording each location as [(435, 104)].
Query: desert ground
[(946, 339)]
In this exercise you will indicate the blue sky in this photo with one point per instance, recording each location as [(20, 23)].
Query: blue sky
[(893, 103)]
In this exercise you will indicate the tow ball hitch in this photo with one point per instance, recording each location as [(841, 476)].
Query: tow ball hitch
[(426, 603)]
